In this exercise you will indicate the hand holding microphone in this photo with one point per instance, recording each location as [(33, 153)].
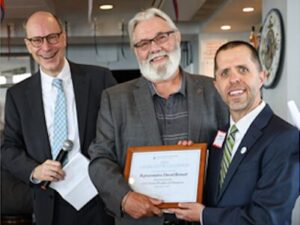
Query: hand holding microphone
[(67, 146)]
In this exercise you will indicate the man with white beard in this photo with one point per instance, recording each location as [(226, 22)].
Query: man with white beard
[(164, 106)]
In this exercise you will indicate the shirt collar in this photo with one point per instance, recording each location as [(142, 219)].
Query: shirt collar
[(65, 75), (244, 123)]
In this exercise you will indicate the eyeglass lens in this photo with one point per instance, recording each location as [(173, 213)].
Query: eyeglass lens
[(51, 39), (159, 39)]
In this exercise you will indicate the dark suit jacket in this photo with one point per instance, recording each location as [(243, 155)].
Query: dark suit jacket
[(15, 195), (26, 143), (262, 184), (127, 118)]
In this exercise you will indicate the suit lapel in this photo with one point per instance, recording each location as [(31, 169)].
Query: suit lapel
[(35, 101), (195, 100), (146, 110), (245, 146), (250, 138), (81, 90)]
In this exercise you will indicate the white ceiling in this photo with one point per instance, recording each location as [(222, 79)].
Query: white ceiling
[(210, 13)]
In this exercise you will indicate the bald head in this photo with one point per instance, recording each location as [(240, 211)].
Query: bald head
[(42, 19)]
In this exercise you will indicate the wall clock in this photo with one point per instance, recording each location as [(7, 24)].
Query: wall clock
[(271, 46)]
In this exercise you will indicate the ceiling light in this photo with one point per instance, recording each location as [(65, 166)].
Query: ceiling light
[(225, 27), (106, 7), (248, 9)]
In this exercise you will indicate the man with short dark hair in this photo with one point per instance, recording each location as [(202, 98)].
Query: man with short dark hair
[(253, 177)]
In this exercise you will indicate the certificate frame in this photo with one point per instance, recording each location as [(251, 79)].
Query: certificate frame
[(148, 150)]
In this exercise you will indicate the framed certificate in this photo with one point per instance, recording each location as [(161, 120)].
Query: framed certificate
[(171, 173)]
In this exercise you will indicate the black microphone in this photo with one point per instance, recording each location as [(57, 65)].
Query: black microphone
[(67, 146)]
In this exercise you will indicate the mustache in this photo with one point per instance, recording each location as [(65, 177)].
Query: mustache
[(158, 54)]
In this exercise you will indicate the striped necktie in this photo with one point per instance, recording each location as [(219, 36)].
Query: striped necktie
[(227, 153), (60, 129)]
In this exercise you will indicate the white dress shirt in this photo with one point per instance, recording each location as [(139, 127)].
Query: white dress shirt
[(49, 98), (243, 125)]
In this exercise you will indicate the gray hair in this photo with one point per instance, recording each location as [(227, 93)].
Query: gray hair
[(147, 14)]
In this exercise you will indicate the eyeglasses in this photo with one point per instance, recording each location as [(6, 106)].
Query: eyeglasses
[(51, 39), (159, 39)]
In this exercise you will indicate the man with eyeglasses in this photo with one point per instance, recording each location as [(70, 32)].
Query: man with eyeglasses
[(32, 122), (162, 107)]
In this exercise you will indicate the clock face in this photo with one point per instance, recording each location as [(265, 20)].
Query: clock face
[(271, 46)]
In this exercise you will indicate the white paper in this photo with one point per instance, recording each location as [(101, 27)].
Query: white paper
[(77, 187), (294, 113), (171, 176)]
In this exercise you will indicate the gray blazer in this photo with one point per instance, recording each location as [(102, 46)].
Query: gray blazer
[(127, 118)]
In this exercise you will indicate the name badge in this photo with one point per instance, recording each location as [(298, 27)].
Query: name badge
[(219, 139)]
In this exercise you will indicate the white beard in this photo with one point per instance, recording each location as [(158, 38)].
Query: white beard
[(161, 72)]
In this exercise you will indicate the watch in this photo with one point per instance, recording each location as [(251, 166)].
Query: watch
[(271, 46)]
